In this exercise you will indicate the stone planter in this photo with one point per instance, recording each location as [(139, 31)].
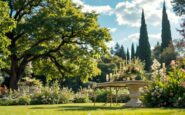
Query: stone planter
[(133, 87)]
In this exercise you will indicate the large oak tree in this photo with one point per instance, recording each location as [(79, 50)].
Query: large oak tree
[(56, 37)]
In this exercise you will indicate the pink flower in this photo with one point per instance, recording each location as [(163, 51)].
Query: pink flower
[(183, 84), (183, 70)]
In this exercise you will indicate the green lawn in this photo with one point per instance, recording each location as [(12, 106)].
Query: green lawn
[(85, 109)]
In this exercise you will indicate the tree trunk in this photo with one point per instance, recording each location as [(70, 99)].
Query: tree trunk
[(14, 77), (13, 82)]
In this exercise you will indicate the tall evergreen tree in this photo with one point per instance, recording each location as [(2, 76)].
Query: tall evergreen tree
[(144, 45), (117, 49), (137, 52), (112, 50), (132, 51), (128, 54), (122, 52), (166, 31)]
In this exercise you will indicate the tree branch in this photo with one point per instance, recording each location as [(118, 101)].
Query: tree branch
[(20, 13), (59, 66), (36, 44)]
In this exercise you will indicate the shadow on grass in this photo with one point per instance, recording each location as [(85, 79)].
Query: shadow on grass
[(81, 108), (91, 108)]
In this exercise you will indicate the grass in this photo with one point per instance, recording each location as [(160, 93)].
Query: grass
[(85, 109)]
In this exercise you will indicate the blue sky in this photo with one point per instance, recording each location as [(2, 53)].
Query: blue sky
[(123, 18)]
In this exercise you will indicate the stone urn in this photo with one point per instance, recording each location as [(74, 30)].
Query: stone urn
[(134, 93)]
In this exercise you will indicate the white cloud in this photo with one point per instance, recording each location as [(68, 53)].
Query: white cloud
[(112, 30), (133, 37), (152, 37), (129, 12), (106, 9), (78, 2)]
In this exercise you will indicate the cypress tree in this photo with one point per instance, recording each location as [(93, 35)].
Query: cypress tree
[(128, 54), (144, 45), (117, 49), (132, 51), (122, 52), (137, 52), (166, 31), (112, 50)]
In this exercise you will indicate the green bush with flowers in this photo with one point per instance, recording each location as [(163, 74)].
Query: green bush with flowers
[(168, 89), (46, 95)]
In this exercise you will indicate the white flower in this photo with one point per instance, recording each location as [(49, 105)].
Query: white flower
[(156, 65), (161, 90), (156, 87)]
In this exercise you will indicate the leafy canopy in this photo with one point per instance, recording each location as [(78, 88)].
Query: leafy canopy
[(57, 37), (6, 25)]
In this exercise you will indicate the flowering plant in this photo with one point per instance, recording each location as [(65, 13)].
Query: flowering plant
[(132, 69), (168, 90)]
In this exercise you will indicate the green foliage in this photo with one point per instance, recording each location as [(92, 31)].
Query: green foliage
[(168, 55), (167, 91), (24, 100), (57, 37), (52, 95), (6, 25), (27, 81), (107, 65), (47, 95), (66, 95), (128, 54), (178, 7), (83, 96), (166, 31), (119, 51), (81, 100), (103, 95), (157, 52), (132, 52), (137, 52), (1, 80), (144, 45)]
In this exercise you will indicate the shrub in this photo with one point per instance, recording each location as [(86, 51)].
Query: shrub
[(83, 99), (83, 96), (47, 95), (102, 94), (166, 91), (53, 95), (66, 95), (1, 80), (24, 100), (7, 101), (123, 98), (9, 98)]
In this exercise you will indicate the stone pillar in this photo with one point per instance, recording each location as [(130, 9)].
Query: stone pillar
[(134, 96)]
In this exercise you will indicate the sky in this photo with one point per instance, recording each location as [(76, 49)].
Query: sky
[(123, 18)]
